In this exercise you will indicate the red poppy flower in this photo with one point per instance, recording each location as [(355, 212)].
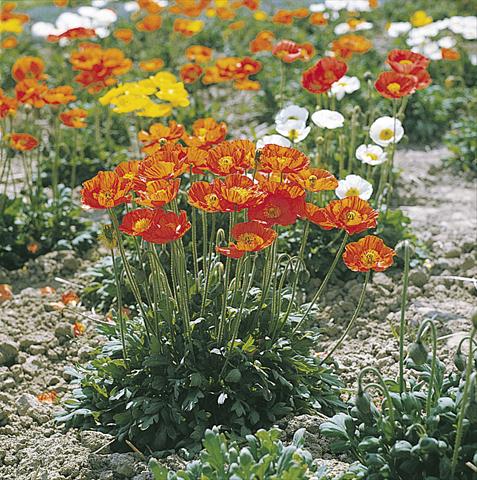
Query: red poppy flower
[(129, 171), (199, 53), (249, 237), (205, 133), (395, 85), (368, 253), (238, 192), (319, 78), (158, 193), (159, 135), (105, 190), (407, 62), (31, 92), (197, 159), (274, 158), (315, 179), (275, 210), (74, 118), (59, 95), (423, 79), (23, 141), (190, 72), (205, 196), (231, 157), (137, 221), (351, 214), (262, 42), (166, 163), (73, 34), (8, 105), (167, 227), (289, 51)]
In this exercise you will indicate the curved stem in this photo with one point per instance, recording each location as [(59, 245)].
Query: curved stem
[(323, 283), (402, 323), (463, 406), (353, 319)]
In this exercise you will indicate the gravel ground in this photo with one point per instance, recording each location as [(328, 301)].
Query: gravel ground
[(37, 339)]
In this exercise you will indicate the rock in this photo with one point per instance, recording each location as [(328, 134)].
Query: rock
[(64, 330), (32, 365), (453, 253), (314, 442), (418, 278), (8, 350), (95, 441), (123, 464), (70, 264), (383, 280), (36, 338), (28, 405)]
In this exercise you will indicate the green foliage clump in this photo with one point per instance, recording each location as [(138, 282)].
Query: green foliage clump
[(461, 140), (263, 457)]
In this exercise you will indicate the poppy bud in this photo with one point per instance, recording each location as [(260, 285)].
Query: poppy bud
[(418, 352), (368, 76), (460, 361), (363, 402)]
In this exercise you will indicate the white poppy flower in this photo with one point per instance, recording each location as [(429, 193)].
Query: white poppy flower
[(382, 131), (371, 154), (354, 186), (345, 27), (296, 133), (328, 119), (345, 85), (43, 29), (446, 42), (342, 28), (317, 7), (273, 140), (396, 29), (335, 4), (358, 6), (131, 6), (292, 113)]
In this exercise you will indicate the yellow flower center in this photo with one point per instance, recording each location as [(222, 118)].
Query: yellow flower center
[(293, 134), (226, 162), (386, 134), (372, 156), (212, 200), (249, 241), (394, 87), (369, 257), (353, 192), (239, 195), (312, 179), (202, 132), (272, 211), (141, 225), (353, 217), (105, 198), (405, 62), (129, 176)]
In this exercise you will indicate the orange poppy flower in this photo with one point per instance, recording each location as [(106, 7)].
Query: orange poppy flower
[(347, 45), (186, 27), (28, 68), (274, 158), (231, 157), (190, 8), (150, 6), (73, 34), (105, 190), (74, 118), (137, 222), (315, 179), (276, 209), (129, 172), (31, 92), (423, 79), (318, 18), (167, 227), (48, 397), (190, 72), (124, 34), (98, 67), (61, 3), (199, 53), (159, 135), (151, 65), (9, 42), (70, 298), (23, 141), (274, 184), (289, 51), (450, 54), (247, 66), (158, 193), (320, 77), (284, 17), (300, 12), (249, 237), (59, 95), (8, 105), (238, 192), (407, 62), (248, 85), (78, 329), (5, 292), (7, 13), (368, 253), (395, 85), (197, 159), (205, 133), (205, 196), (165, 164), (351, 214), (262, 42), (150, 23)]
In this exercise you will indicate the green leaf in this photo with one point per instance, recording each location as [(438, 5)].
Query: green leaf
[(233, 376)]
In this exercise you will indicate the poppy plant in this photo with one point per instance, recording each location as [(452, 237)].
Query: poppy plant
[(274, 158), (395, 85), (105, 190), (28, 68), (289, 51), (151, 65), (159, 135), (199, 53), (368, 253), (23, 141), (190, 72), (320, 77), (205, 133), (249, 237), (8, 105), (351, 214)]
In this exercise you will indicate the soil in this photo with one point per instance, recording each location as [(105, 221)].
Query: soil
[(37, 340)]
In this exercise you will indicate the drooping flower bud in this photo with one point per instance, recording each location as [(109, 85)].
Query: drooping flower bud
[(418, 352)]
